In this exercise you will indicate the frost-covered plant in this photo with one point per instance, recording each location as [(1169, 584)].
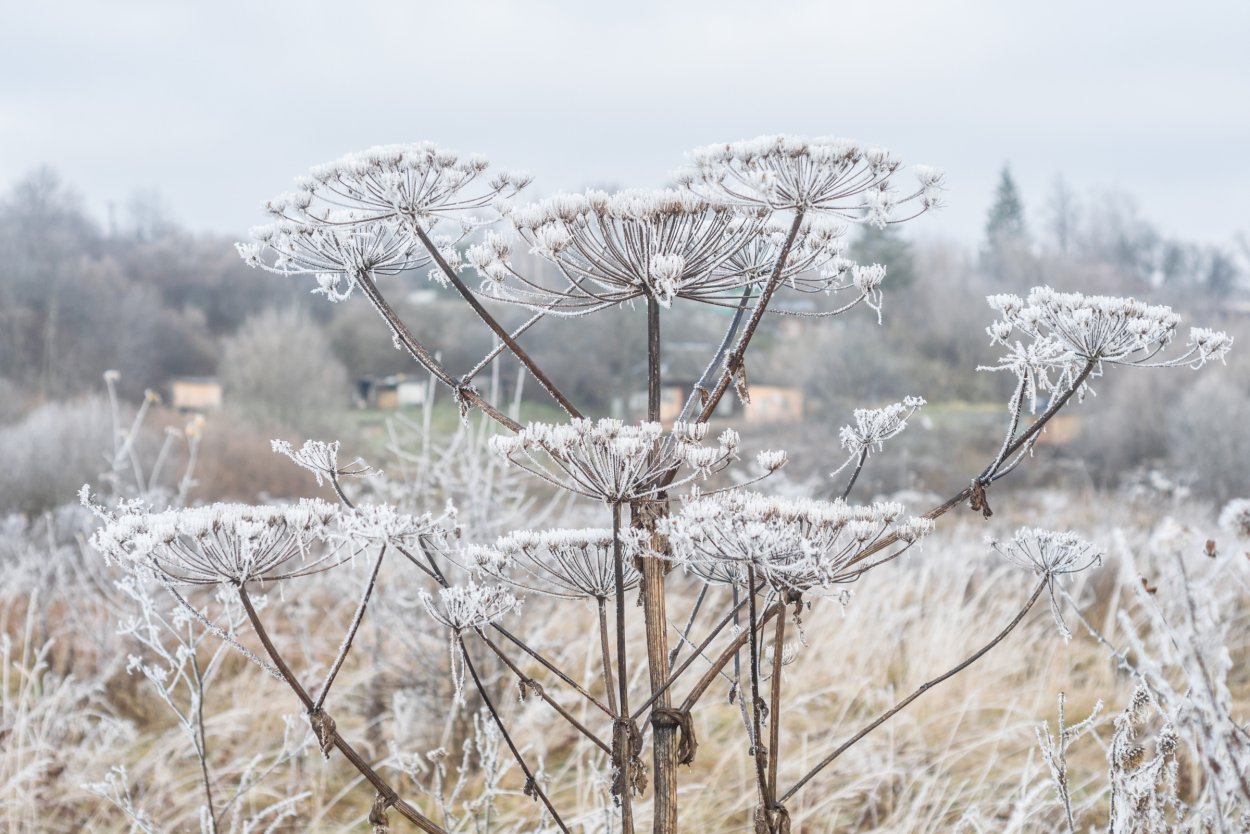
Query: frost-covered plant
[(1235, 517), (795, 545), (749, 219), (613, 462)]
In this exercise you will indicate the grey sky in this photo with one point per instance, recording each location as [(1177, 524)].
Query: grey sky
[(218, 105)]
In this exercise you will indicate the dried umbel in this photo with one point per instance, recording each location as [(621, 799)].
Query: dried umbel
[(1050, 554), (319, 458), (613, 461), (1067, 331), (375, 213), (794, 173), (469, 606), (796, 544), (464, 608), (376, 524), (570, 564), (612, 248), (1235, 517), (225, 543), (874, 426)]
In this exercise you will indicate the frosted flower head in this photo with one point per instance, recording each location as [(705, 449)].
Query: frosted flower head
[(570, 564), (419, 182), (874, 426), (1047, 552), (613, 461), (793, 544), (1052, 336), (611, 248), (224, 543), (794, 173), (469, 606), (337, 256), (320, 458), (367, 524), (1235, 517), (364, 215)]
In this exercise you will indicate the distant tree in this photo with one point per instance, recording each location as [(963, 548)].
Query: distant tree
[(1063, 215), (1005, 221), (1006, 235), (888, 247), (278, 368)]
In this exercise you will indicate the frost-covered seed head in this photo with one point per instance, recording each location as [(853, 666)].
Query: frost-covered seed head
[(224, 543), (611, 461), (571, 564), (797, 544), (1235, 517), (790, 173)]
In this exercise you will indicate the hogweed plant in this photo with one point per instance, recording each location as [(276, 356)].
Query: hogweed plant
[(746, 223)]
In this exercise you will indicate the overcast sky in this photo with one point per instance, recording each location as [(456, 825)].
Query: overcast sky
[(216, 105)]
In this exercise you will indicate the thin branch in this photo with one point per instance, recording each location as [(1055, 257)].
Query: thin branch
[(922, 689), (531, 783), (351, 633), (393, 799), (494, 325)]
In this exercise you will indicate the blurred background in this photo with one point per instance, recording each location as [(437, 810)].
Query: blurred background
[(1093, 148)]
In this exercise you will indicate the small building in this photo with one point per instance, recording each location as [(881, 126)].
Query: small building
[(770, 404), (195, 393), (1061, 430), (391, 392)]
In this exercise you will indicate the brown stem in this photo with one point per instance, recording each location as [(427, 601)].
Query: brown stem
[(654, 607), (621, 741), (774, 710), (735, 359), (922, 689), (351, 633), (393, 799), (499, 330), (758, 751), (606, 655), (698, 652)]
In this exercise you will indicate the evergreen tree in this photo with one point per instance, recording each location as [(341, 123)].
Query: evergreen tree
[(1006, 237), (1006, 218), (890, 249)]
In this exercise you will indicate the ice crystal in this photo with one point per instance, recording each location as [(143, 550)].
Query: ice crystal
[(613, 461), (572, 564)]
